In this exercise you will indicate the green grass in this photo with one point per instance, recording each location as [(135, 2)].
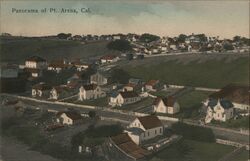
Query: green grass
[(242, 156), (211, 73), (192, 99), (142, 103), (194, 151), (242, 122), (94, 102), (18, 50)]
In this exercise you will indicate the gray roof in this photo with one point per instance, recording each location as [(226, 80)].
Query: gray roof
[(226, 104), (135, 130)]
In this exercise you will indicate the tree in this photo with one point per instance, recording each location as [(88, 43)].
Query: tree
[(236, 38), (92, 114), (120, 76), (120, 45), (148, 38), (63, 35), (182, 38)]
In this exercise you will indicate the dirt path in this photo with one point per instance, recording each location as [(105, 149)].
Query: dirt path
[(11, 150)]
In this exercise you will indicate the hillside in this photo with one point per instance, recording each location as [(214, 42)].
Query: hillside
[(17, 50), (212, 71)]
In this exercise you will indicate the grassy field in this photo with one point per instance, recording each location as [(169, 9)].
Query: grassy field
[(95, 102), (202, 71), (135, 106), (18, 50), (192, 99), (193, 151), (243, 156)]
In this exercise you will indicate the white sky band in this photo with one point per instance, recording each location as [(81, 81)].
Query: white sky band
[(223, 18)]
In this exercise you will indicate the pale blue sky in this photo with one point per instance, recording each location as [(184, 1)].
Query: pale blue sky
[(164, 18)]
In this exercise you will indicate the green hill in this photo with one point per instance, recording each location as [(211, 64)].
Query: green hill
[(17, 50), (205, 71)]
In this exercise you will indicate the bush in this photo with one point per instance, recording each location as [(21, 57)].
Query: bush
[(120, 45), (194, 132), (148, 38)]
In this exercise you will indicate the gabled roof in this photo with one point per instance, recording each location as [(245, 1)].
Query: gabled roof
[(71, 114), (41, 86), (168, 101), (226, 104), (235, 93), (90, 87), (152, 82), (126, 144), (129, 94), (150, 122), (32, 70), (36, 59)]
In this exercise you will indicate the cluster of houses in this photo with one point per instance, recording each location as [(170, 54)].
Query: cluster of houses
[(191, 43)]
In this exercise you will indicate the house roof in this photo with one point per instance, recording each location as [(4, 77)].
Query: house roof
[(168, 101), (41, 86), (130, 85), (36, 59), (235, 93), (226, 104), (61, 88), (32, 70), (134, 80), (152, 82), (129, 94), (150, 122), (126, 144), (90, 87), (135, 130), (108, 57), (71, 114)]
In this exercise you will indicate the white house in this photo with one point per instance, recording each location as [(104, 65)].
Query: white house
[(68, 117), (145, 128), (41, 90), (239, 95), (123, 98), (99, 79), (58, 65), (90, 91), (59, 92), (166, 105), (219, 110), (81, 66), (35, 62), (109, 59)]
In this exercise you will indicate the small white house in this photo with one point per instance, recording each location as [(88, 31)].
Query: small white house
[(152, 85), (41, 90), (166, 105), (219, 110), (59, 92), (68, 118), (145, 128), (35, 62), (91, 91), (123, 98), (109, 59)]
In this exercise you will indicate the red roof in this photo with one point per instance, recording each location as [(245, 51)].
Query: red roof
[(150, 122), (152, 82), (108, 57), (126, 144), (168, 101)]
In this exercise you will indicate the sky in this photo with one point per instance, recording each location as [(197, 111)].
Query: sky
[(164, 18)]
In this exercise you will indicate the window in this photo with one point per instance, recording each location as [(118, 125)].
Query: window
[(155, 131), (148, 133), (160, 130)]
